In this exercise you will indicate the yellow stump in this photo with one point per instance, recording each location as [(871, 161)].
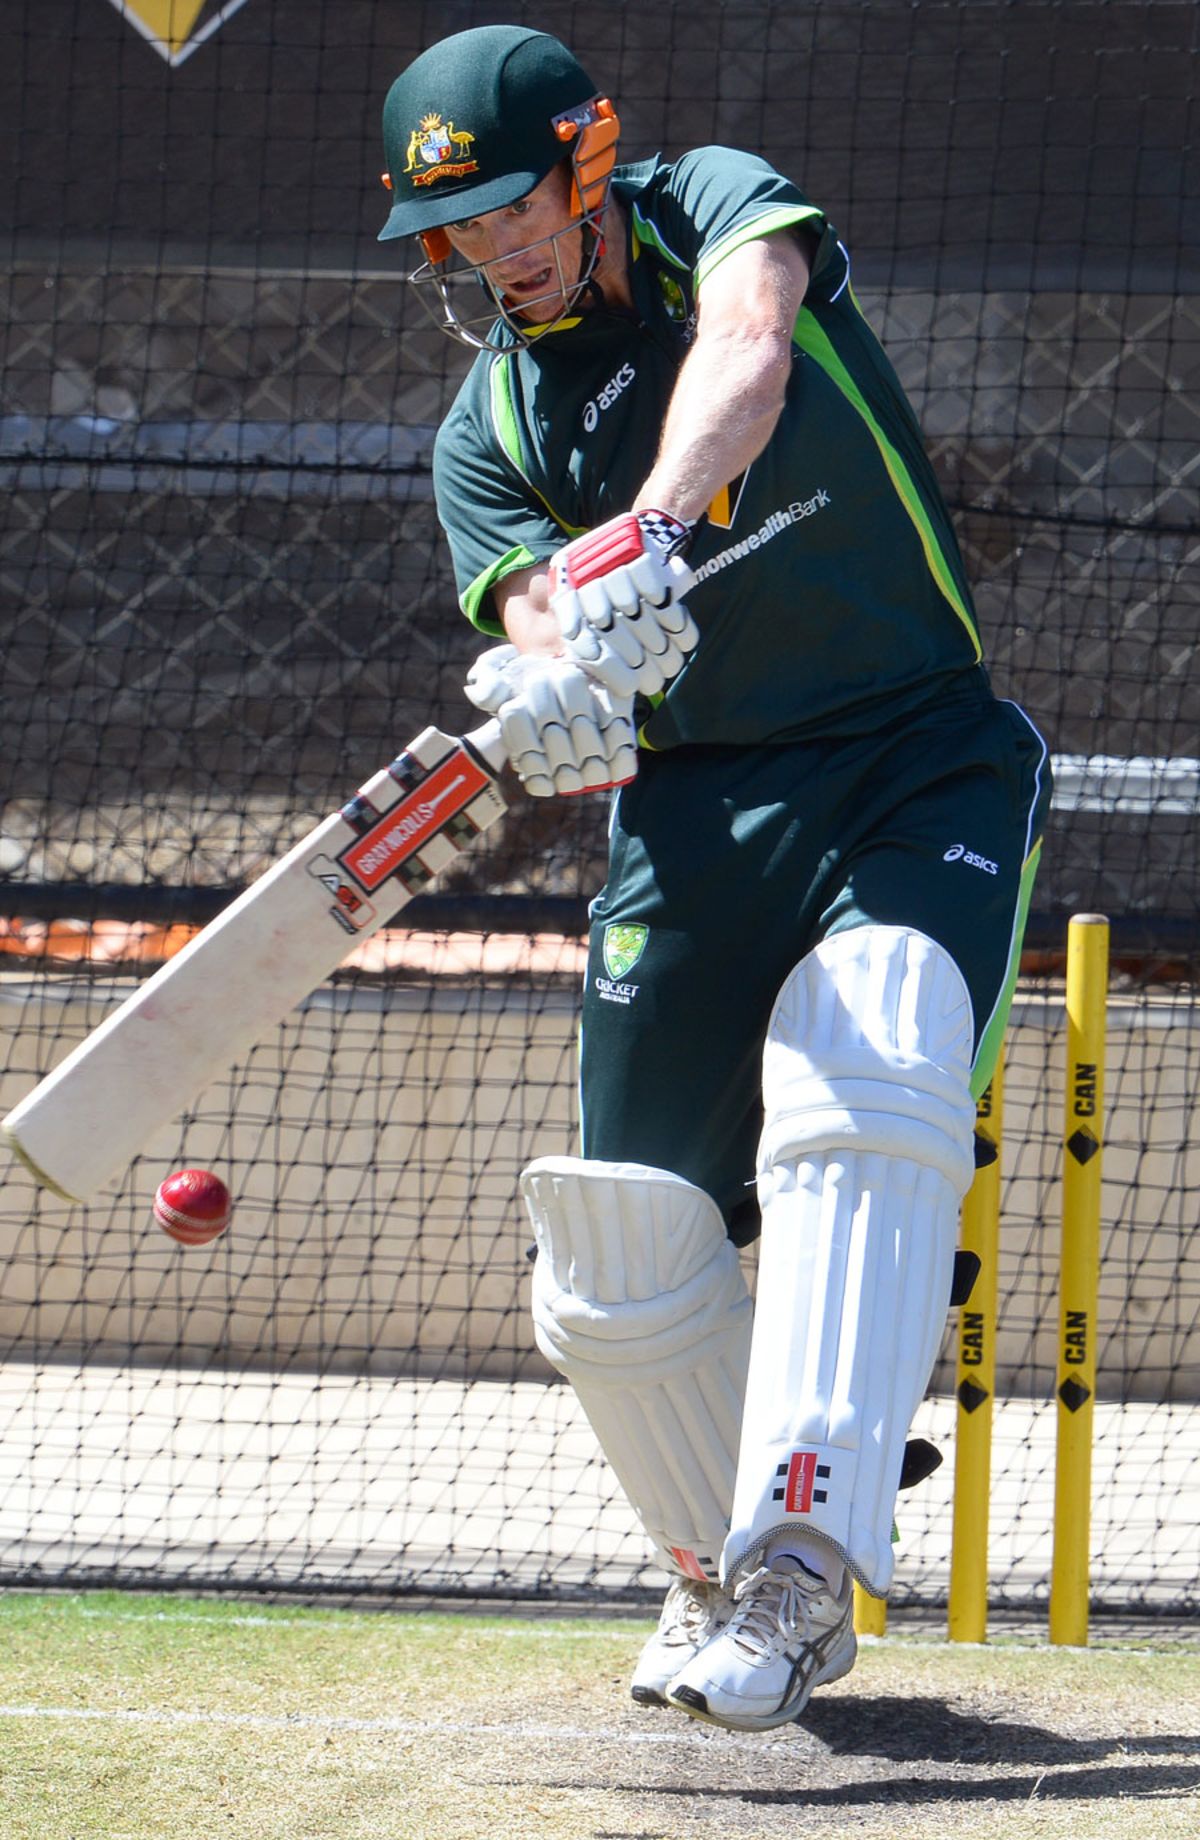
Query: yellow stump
[(870, 1613), (975, 1384), (1075, 1379)]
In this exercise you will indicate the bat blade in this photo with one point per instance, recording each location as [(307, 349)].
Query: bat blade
[(244, 972)]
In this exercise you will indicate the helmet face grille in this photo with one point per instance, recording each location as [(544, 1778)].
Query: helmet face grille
[(464, 302)]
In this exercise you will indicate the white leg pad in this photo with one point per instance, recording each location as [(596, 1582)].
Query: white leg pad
[(866, 1153), (639, 1300)]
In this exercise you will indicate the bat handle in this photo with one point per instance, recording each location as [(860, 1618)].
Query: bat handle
[(487, 744)]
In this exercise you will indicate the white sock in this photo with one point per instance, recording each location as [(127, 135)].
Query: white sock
[(814, 1554)]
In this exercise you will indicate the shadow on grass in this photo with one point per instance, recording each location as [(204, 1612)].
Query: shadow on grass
[(918, 1729), (945, 1746)]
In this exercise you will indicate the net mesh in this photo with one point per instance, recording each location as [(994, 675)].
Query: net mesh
[(227, 603)]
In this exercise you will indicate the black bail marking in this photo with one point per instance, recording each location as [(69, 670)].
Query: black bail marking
[(967, 1267), (1073, 1393), (1082, 1145), (986, 1151), (921, 1458)]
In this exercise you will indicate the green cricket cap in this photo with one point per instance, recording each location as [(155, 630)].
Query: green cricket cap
[(468, 127)]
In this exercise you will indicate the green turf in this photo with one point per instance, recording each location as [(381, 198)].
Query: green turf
[(135, 1718)]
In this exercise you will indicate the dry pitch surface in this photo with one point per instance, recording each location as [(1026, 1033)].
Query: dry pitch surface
[(128, 1718)]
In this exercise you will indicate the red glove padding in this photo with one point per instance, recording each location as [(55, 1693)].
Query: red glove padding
[(615, 593)]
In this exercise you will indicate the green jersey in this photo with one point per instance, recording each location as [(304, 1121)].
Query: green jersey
[(830, 592)]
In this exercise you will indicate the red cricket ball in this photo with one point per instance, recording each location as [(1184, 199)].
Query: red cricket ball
[(193, 1206)]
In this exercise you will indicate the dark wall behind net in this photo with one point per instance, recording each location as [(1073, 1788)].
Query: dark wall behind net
[(224, 595)]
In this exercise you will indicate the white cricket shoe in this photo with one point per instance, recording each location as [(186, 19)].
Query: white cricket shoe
[(788, 1634), (692, 1613)]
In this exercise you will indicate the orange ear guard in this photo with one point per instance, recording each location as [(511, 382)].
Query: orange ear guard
[(436, 245), (435, 242), (594, 129)]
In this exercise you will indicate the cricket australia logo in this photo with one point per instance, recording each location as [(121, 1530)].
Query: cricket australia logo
[(624, 943), (672, 295), (676, 304), (432, 147)]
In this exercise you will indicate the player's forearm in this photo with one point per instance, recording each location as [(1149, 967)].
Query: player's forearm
[(724, 410), (524, 601)]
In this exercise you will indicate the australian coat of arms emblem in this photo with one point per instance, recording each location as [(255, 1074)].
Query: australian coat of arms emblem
[(438, 150)]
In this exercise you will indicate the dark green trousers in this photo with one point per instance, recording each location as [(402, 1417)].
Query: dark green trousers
[(728, 865)]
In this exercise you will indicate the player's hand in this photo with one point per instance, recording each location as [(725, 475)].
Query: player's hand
[(562, 731), (615, 593)]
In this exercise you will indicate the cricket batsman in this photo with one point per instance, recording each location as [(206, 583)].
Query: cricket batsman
[(689, 503)]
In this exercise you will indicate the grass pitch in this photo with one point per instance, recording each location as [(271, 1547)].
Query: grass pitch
[(133, 1718)]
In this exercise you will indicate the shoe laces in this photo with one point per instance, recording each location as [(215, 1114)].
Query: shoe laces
[(692, 1613), (769, 1607)]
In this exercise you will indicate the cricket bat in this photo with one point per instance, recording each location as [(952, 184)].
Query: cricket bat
[(244, 972)]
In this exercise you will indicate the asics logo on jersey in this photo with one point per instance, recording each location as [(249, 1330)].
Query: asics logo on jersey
[(608, 396), (958, 852)]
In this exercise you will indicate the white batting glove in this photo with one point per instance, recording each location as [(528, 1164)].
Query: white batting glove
[(615, 593), (563, 732)]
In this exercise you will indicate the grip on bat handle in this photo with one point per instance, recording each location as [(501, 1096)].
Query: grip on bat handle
[(486, 742)]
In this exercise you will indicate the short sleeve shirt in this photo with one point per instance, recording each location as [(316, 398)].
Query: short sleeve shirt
[(830, 591)]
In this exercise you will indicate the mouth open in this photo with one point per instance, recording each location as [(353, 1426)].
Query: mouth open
[(530, 287)]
